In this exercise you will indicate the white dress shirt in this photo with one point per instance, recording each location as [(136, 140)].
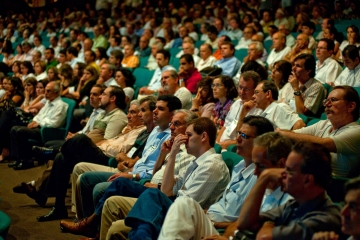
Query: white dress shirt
[(53, 114)]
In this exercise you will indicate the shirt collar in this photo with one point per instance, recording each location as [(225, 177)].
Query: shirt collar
[(270, 107), (204, 156)]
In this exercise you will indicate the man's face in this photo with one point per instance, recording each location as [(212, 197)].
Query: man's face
[(133, 116), (87, 57), (145, 114), (187, 48), (184, 65), (53, 41), (293, 180), (244, 141), (283, 29), (259, 158), (161, 61), (182, 32), (233, 24), (73, 36), (62, 58), (105, 98), (48, 55), (336, 107), (178, 124), (306, 30), (247, 33), (194, 139), (95, 96), (299, 70), (49, 91), (128, 51), (322, 52), (350, 214), (96, 31), (253, 53), (246, 89), (162, 115), (260, 97), (350, 63), (154, 50), (278, 41), (37, 42), (212, 36), (105, 73), (301, 40), (226, 52), (144, 43), (204, 52), (87, 44), (168, 82), (218, 25)]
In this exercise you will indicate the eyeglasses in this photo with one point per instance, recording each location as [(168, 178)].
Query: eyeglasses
[(244, 136), (257, 92), (217, 85), (176, 124), (240, 88), (325, 101)]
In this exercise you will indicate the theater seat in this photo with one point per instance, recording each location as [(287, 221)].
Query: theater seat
[(231, 160), (5, 222)]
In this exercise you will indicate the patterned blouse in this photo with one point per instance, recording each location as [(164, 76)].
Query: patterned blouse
[(220, 112)]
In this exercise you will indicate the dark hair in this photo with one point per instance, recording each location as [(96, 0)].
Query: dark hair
[(270, 86), (118, 54), (329, 44), (63, 51), (262, 125), (285, 68), (188, 58), (151, 101), (352, 184), (226, 38), (38, 36), (162, 40), (351, 51), (101, 86), (251, 75), (310, 63), (28, 65), (206, 82), (253, 65), (44, 82), (231, 45), (129, 77), (173, 103), (228, 82), (120, 96), (203, 124), (356, 30), (333, 31), (351, 95), (73, 51), (117, 39), (17, 84), (164, 52), (92, 54), (102, 52), (51, 50), (309, 24), (212, 29), (317, 162)]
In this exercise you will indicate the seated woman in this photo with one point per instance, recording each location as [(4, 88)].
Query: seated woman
[(16, 69), (66, 77), (53, 74), (20, 55), (27, 70), (101, 56), (353, 37), (204, 102), (40, 70), (224, 91), (280, 75), (126, 80), (78, 72), (86, 82), (332, 33)]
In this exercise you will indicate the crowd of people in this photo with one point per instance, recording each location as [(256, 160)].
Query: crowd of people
[(201, 92)]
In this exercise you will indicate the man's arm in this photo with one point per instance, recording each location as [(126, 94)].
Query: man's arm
[(56, 118), (299, 124)]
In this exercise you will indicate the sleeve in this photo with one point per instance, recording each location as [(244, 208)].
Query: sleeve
[(235, 107), (184, 96), (334, 71), (348, 141), (311, 130), (115, 126), (314, 98), (207, 110), (286, 118)]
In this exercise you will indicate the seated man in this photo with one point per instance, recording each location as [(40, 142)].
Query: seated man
[(350, 224), (327, 69), (130, 60), (279, 49), (311, 209), (114, 44), (207, 60), (350, 76), (228, 133), (339, 133), (308, 28), (212, 34), (143, 50), (217, 52), (300, 47), (188, 47), (303, 93), (246, 39), (116, 57), (228, 63), (196, 224), (75, 150), (284, 28), (234, 31), (188, 74), (280, 114), (106, 75), (52, 115)]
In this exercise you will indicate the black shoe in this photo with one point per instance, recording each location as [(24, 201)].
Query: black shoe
[(22, 188), (13, 164), (54, 214), (24, 165), (43, 152), (40, 199)]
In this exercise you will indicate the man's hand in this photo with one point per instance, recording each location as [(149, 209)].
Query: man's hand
[(178, 140), (121, 167), (150, 185), (70, 135), (166, 146), (117, 175), (33, 125), (294, 82), (273, 176), (215, 237), (325, 236), (145, 91), (248, 106)]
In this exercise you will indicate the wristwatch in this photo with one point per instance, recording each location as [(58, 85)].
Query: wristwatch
[(297, 93), (134, 177), (159, 186)]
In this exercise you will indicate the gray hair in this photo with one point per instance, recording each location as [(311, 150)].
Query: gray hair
[(277, 146), (135, 102), (190, 115), (259, 46), (159, 45), (173, 73), (57, 87)]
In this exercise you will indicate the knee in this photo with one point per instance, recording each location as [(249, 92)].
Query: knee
[(99, 190), (78, 169)]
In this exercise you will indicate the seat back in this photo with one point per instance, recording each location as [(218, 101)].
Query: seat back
[(142, 79), (143, 61), (231, 160), (69, 114), (241, 54)]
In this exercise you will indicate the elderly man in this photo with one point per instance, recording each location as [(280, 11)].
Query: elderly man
[(52, 115), (106, 76), (285, 29), (223, 214), (255, 52), (228, 63), (280, 114), (350, 223), (170, 83), (74, 150), (143, 50), (306, 175), (246, 39), (350, 76), (227, 134), (303, 93), (130, 60), (301, 47), (207, 60), (188, 47), (279, 50), (327, 69), (152, 64), (339, 133)]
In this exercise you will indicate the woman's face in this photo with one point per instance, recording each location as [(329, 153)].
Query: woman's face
[(19, 49), (276, 75), (219, 90), (87, 75), (29, 88), (10, 87), (5, 84), (51, 74), (15, 68), (120, 79), (350, 33), (76, 70), (327, 34), (40, 88), (204, 92), (24, 70), (37, 68), (97, 53)]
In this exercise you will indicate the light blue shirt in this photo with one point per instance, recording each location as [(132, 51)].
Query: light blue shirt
[(110, 49), (273, 199), (227, 209), (90, 123), (230, 66), (144, 166)]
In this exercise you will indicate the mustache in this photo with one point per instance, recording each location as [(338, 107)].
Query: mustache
[(328, 110)]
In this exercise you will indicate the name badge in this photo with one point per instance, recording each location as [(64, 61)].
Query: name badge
[(71, 89), (131, 152), (292, 104)]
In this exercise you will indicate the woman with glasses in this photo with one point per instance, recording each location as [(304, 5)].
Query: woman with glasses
[(280, 75), (224, 91), (204, 102)]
